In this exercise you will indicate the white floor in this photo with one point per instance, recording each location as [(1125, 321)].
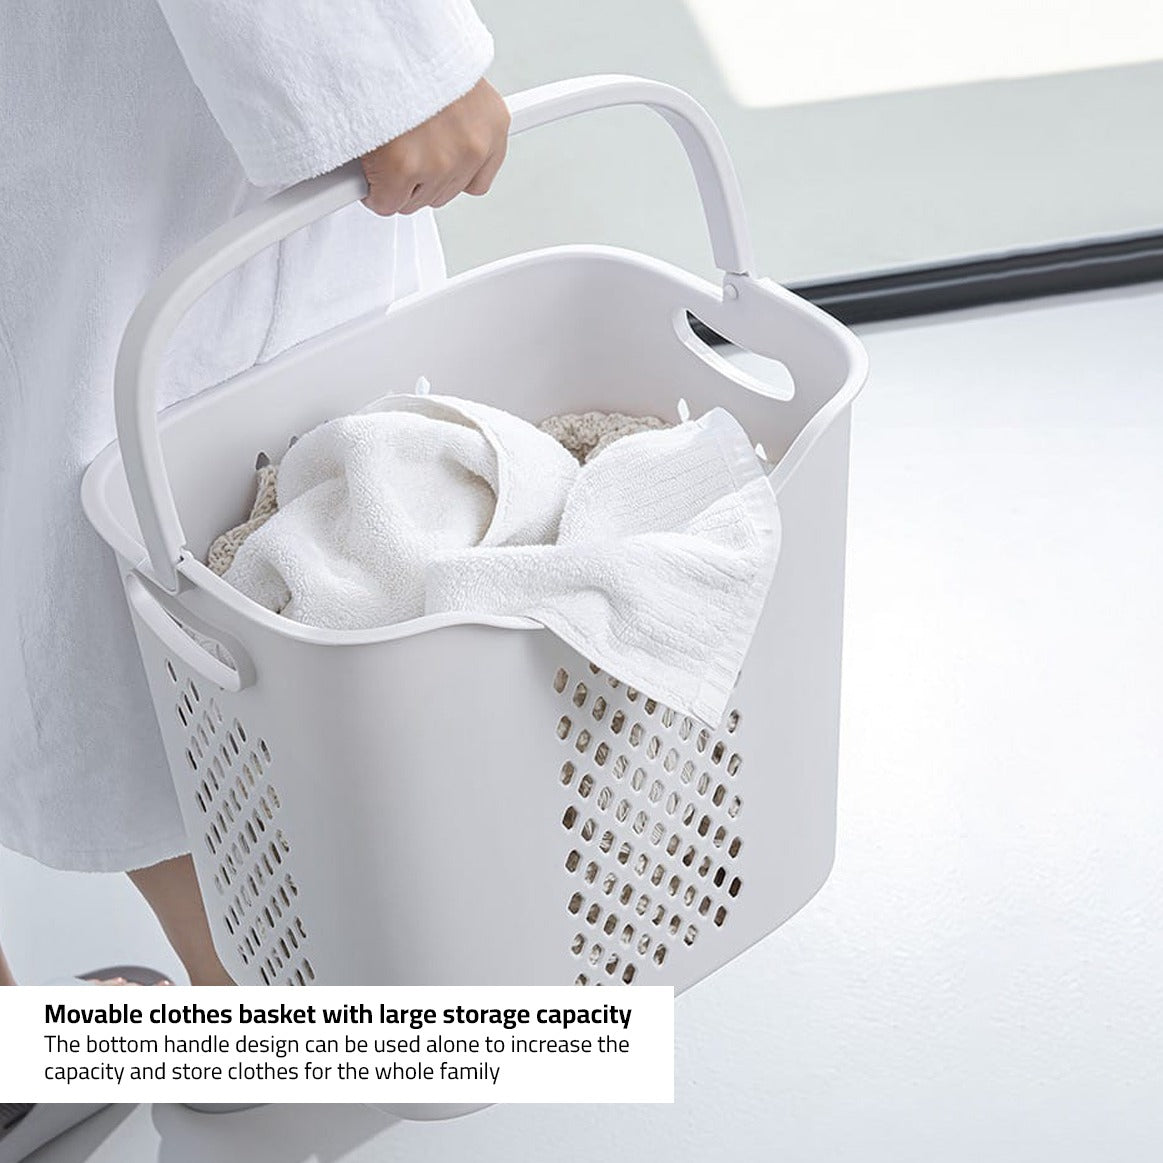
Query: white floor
[(821, 50), (982, 977)]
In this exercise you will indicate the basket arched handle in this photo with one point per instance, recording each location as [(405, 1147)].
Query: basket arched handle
[(148, 333)]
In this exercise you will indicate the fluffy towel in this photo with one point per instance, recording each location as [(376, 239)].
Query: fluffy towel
[(368, 502), (652, 560)]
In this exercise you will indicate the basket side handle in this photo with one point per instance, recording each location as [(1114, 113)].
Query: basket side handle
[(139, 359)]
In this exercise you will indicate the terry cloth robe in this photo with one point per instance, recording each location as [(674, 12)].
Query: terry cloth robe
[(129, 129)]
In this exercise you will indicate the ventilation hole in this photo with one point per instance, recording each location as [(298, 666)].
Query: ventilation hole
[(720, 876), (718, 795), (640, 822), (613, 963), (733, 764), (624, 853), (659, 954), (719, 836), (620, 765), (573, 860), (704, 906), (631, 694), (570, 816), (641, 864), (598, 710), (585, 786), (617, 722), (567, 772), (688, 896), (575, 902), (675, 924), (642, 905), (656, 790), (564, 727), (672, 802), (582, 741), (734, 887), (643, 944), (704, 825), (591, 872), (602, 754), (734, 847), (170, 671), (610, 925), (607, 841), (705, 865), (734, 806), (638, 779), (628, 973), (688, 856), (581, 979), (688, 771), (605, 795), (609, 883), (578, 944), (653, 747), (657, 833), (703, 784), (704, 737), (720, 915), (625, 895), (560, 680), (692, 935), (732, 722), (622, 810), (635, 736), (627, 934), (659, 915), (673, 885), (658, 875), (182, 715), (593, 913), (670, 760), (595, 954), (588, 829)]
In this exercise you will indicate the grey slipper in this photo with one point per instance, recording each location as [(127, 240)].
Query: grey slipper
[(26, 1126), (134, 974)]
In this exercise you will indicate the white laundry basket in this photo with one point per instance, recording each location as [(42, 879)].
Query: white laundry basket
[(461, 800)]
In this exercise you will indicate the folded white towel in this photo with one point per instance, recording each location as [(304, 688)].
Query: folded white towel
[(663, 560), (653, 560), (368, 502)]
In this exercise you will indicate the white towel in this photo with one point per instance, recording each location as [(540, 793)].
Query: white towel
[(663, 560), (653, 560), (368, 502)]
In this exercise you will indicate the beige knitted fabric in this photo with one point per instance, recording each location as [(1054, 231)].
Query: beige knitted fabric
[(266, 504), (584, 434)]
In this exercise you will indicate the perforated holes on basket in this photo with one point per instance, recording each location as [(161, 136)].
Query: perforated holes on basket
[(241, 808), (664, 854)]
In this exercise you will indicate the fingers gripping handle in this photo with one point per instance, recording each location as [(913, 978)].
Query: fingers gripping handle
[(147, 335)]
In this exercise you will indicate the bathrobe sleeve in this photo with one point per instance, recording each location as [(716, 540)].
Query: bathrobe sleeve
[(300, 86)]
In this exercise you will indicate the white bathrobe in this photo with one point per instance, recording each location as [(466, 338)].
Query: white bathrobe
[(128, 130)]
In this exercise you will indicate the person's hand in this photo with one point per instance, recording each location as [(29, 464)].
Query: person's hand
[(457, 151)]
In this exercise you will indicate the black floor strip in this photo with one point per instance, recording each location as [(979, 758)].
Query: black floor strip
[(979, 282)]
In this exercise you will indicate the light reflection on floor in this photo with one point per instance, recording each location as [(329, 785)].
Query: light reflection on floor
[(786, 52)]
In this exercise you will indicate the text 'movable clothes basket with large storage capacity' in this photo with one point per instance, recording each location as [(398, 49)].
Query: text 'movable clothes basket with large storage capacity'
[(460, 800)]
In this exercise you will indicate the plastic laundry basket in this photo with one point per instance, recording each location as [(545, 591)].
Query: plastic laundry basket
[(466, 800)]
